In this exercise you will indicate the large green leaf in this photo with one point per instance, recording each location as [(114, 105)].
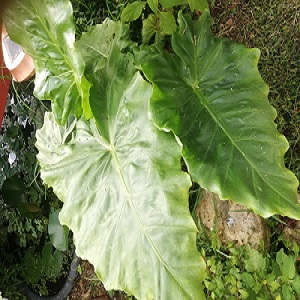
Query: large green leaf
[(95, 46), (125, 196), (46, 30), (210, 94)]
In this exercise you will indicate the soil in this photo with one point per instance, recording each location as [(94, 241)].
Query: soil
[(89, 287)]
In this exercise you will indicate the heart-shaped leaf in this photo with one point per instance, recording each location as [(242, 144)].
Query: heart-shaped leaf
[(46, 30), (210, 94), (125, 196)]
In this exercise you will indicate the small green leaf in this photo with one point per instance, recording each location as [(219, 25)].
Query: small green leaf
[(200, 5), (286, 264), (172, 3), (59, 234), (287, 292), (248, 280), (167, 22), (13, 192), (192, 4), (149, 28), (296, 285), (255, 261), (153, 4), (57, 264), (46, 258), (32, 266), (132, 11)]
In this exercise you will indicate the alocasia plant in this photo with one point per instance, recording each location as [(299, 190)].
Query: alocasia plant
[(125, 197), (117, 168)]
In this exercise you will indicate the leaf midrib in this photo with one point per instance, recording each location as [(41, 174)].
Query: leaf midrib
[(221, 125), (128, 196)]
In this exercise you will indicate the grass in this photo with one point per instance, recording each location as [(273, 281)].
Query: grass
[(89, 13), (273, 26)]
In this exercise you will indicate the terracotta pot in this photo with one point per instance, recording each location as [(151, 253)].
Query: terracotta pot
[(13, 62), (19, 63), (4, 84)]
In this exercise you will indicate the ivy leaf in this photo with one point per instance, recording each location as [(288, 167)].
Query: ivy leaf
[(167, 22), (125, 196), (211, 95), (132, 11), (46, 30), (153, 4)]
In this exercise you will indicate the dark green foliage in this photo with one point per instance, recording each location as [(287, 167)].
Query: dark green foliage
[(233, 273), (25, 203), (273, 27)]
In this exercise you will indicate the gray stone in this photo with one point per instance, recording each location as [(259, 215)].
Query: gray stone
[(233, 222), (291, 230)]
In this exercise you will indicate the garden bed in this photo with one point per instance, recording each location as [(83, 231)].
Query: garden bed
[(274, 28)]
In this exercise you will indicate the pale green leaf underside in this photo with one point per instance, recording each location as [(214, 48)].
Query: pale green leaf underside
[(46, 30), (125, 196), (210, 94)]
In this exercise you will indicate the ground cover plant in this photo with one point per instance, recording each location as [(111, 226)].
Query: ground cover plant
[(119, 168), (27, 208)]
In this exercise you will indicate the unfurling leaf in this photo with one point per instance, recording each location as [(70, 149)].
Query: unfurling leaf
[(125, 196), (211, 95), (46, 30)]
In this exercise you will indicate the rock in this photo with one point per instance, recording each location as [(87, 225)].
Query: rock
[(233, 222), (291, 230)]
